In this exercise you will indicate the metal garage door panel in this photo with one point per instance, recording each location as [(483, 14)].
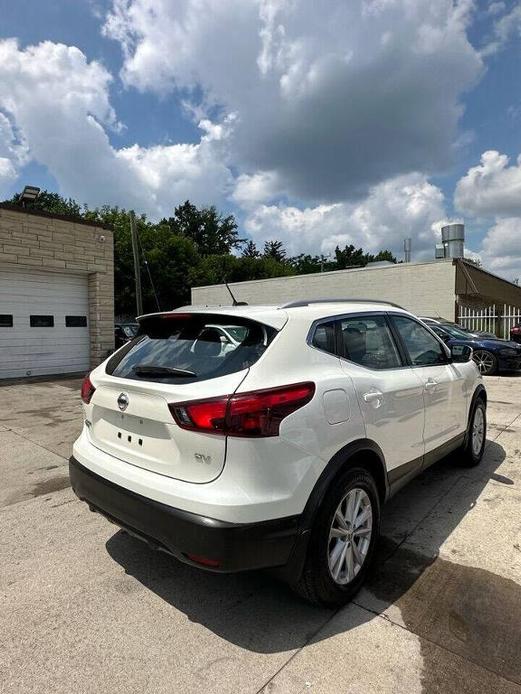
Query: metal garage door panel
[(32, 351)]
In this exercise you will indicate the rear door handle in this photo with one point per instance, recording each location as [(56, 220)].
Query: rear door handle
[(430, 384), (372, 396)]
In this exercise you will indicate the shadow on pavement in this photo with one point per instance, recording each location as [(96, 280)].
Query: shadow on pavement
[(468, 611)]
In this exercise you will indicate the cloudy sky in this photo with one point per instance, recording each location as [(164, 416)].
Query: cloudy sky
[(315, 122)]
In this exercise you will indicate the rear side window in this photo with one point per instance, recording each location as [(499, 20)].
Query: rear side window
[(367, 340), (186, 348), (324, 337)]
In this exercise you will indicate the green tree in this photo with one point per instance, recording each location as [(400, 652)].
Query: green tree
[(250, 250), (356, 257), (305, 264), (349, 257), (275, 250), (212, 233), (52, 203)]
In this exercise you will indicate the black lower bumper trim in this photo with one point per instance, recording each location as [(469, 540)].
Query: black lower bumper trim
[(235, 546)]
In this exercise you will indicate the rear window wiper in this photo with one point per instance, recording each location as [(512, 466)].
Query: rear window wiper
[(151, 369)]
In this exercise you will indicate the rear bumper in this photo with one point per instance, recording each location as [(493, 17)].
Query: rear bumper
[(231, 546)]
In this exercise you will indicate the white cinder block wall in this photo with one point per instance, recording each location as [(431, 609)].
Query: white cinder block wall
[(423, 288)]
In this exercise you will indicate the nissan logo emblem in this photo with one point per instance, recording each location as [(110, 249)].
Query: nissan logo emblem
[(123, 401)]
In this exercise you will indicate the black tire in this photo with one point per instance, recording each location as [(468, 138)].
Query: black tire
[(470, 457), (316, 583), (485, 361)]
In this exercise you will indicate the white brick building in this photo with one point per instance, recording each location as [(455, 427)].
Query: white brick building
[(435, 288), (56, 293)]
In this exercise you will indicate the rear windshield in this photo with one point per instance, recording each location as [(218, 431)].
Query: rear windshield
[(185, 348)]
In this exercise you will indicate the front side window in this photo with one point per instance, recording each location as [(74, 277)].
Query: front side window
[(423, 348), (367, 341)]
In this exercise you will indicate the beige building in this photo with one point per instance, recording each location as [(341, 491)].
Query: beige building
[(56, 293), (435, 288)]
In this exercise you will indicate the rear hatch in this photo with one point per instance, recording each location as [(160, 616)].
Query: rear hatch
[(176, 357)]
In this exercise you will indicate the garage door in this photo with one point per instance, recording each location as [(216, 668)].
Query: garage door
[(43, 323)]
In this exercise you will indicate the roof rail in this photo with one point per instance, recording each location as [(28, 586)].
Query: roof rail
[(307, 302)]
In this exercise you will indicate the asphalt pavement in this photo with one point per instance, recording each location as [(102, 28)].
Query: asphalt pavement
[(86, 608)]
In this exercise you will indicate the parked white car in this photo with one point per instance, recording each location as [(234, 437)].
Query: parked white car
[(281, 451)]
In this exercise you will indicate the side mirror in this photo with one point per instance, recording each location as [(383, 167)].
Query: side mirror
[(461, 353)]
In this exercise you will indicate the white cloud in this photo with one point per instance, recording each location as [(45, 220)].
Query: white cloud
[(260, 187), (501, 248), (12, 155), (406, 206), (59, 102), (506, 27), (492, 188), (332, 98)]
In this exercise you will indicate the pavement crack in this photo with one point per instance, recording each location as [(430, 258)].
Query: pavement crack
[(293, 655), (387, 618), (502, 431)]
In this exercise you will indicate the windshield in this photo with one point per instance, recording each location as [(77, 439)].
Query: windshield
[(174, 348), (456, 332), (237, 332), (130, 329)]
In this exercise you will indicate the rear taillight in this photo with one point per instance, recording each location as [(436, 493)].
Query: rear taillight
[(258, 413), (516, 330), (87, 390)]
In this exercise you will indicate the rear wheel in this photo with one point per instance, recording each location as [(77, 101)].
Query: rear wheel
[(342, 540), (486, 361), (475, 439)]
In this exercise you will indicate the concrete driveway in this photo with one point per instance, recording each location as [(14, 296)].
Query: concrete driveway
[(86, 608)]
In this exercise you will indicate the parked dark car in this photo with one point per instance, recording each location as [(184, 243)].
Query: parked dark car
[(490, 354), (515, 333), (442, 322), (124, 332)]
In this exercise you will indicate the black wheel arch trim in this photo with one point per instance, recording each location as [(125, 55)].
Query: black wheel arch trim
[(480, 393), (293, 570), (333, 468)]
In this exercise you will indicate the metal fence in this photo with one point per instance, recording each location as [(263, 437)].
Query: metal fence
[(493, 319)]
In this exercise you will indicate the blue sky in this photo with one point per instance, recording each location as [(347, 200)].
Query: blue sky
[(359, 124)]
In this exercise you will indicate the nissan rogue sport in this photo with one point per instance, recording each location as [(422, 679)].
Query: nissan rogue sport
[(277, 449)]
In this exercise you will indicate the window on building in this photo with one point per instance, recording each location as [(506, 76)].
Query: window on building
[(75, 321), (6, 320), (41, 321)]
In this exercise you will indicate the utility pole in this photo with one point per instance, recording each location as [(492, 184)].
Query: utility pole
[(137, 272)]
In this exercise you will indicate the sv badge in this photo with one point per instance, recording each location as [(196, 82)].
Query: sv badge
[(205, 459)]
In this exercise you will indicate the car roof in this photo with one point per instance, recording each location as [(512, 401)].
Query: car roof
[(276, 315)]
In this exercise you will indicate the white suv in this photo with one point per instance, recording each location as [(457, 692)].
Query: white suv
[(280, 451)]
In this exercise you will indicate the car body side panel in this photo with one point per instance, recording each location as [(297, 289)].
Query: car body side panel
[(394, 410)]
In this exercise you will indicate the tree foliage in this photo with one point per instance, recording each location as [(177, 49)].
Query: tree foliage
[(193, 247), (212, 233), (275, 250)]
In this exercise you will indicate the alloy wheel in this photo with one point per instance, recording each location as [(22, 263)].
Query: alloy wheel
[(350, 536), (485, 361), (478, 431)]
